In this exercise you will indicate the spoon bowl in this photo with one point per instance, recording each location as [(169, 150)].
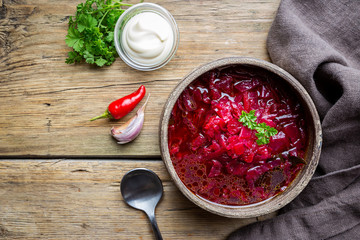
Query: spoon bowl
[(142, 189)]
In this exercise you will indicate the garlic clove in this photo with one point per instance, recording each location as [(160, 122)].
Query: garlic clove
[(132, 128)]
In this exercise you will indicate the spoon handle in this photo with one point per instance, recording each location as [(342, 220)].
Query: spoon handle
[(156, 230)]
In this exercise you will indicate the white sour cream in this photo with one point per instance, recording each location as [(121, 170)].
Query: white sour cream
[(147, 38)]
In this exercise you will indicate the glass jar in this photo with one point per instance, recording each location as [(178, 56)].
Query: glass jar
[(127, 54)]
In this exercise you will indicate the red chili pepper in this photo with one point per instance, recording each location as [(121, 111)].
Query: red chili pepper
[(119, 108)]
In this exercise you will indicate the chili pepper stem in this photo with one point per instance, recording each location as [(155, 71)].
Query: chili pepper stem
[(106, 114)]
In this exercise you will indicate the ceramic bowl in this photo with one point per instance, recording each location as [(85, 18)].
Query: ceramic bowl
[(312, 153)]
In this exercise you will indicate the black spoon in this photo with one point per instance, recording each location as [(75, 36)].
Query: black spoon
[(142, 189)]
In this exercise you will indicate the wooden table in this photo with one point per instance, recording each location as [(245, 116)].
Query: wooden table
[(60, 173)]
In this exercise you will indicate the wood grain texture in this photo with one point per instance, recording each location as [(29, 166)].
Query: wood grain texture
[(71, 199), (45, 104)]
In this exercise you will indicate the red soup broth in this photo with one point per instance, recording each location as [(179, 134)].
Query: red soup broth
[(216, 156)]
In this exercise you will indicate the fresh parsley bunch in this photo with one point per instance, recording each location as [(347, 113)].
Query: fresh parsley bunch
[(264, 132), (91, 32)]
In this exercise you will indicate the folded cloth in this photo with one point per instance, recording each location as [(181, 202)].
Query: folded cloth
[(318, 42)]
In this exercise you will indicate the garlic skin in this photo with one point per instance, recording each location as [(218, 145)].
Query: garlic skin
[(131, 129)]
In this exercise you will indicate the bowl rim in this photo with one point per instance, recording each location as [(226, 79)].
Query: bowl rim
[(269, 205)]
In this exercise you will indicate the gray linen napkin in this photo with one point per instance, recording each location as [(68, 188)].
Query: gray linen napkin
[(318, 42)]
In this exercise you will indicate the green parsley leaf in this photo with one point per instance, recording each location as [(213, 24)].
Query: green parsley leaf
[(73, 39), (86, 22), (100, 62), (271, 131), (73, 57), (248, 119), (109, 37), (89, 58), (264, 132), (91, 32), (262, 139)]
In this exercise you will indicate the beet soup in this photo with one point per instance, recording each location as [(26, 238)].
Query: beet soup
[(221, 158)]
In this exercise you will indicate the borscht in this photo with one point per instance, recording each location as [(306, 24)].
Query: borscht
[(237, 135)]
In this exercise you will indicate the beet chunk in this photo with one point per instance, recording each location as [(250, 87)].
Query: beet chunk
[(226, 84), (214, 167), (280, 142), (199, 141)]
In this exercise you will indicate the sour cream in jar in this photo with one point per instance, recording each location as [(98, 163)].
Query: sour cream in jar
[(146, 36)]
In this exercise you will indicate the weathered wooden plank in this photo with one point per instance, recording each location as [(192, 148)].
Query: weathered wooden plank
[(45, 104), (68, 199)]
